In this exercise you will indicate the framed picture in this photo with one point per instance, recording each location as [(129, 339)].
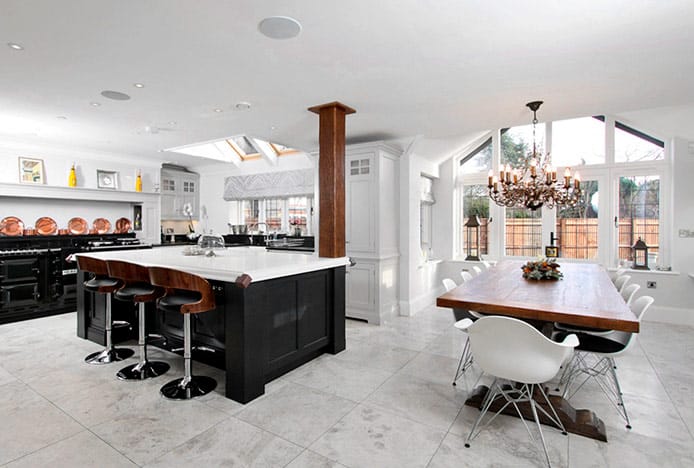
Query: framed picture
[(106, 179), (551, 251), (31, 171)]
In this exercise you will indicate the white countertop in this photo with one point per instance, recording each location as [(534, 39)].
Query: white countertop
[(228, 264)]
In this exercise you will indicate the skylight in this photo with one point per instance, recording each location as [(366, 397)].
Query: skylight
[(235, 149)]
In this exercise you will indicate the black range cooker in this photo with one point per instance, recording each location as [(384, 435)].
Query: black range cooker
[(37, 277)]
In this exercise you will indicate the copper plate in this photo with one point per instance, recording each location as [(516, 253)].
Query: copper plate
[(122, 226), (11, 226), (46, 226), (78, 226), (102, 225)]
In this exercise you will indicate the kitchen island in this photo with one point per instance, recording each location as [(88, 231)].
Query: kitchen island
[(274, 311)]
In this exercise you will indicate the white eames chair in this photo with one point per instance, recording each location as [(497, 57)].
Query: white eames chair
[(629, 292), (465, 357), (621, 282), (477, 270), (449, 284), (512, 350), (594, 358)]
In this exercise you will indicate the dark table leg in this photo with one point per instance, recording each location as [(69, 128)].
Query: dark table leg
[(576, 421)]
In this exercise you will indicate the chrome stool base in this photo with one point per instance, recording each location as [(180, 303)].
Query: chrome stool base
[(198, 385), (139, 371), (109, 355)]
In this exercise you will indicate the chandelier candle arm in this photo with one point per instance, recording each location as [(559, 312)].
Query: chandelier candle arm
[(534, 183)]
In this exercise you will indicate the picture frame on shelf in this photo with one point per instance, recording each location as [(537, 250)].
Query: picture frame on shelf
[(106, 179), (31, 171)]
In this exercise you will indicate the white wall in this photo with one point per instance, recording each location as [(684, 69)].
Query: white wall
[(212, 184), (418, 279), (57, 162)]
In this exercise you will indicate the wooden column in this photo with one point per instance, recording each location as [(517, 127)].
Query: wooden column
[(331, 175)]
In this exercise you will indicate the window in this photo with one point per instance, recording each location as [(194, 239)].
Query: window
[(639, 213), (476, 203), (479, 160), (274, 213), (426, 201), (523, 232), (577, 226), (298, 211), (290, 215), (517, 142), (621, 200), (631, 145), (578, 142)]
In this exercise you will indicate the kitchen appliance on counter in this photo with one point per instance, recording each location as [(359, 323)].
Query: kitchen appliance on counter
[(36, 278)]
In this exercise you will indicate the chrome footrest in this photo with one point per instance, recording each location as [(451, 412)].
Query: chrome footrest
[(109, 355), (198, 385), (149, 369)]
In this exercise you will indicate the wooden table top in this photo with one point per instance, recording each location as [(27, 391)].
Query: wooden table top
[(585, 297)]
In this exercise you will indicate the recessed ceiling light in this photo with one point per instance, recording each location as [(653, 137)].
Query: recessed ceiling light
[(15, 46), (279, 27), (243, 105), (94, 104), (172, 123), (61, 117), (218, 110), (115, 95), (138, 85)]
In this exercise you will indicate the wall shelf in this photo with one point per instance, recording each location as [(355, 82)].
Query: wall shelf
[(76, 193)]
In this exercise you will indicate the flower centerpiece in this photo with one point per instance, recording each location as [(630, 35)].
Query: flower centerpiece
[(542, 269)]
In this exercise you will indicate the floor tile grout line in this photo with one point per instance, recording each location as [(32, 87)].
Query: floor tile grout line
[(666, 388)]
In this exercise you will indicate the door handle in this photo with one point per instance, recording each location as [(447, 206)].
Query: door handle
[(616, 222)]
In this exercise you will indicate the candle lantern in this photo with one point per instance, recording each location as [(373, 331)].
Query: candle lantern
[(640, 252), (472, 228)]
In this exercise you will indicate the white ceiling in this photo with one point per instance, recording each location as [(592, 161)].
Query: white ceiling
[(443, 70)]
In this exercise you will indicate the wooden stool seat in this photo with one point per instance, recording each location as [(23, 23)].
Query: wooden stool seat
[(103, 283), (188, 294), (138, 290)]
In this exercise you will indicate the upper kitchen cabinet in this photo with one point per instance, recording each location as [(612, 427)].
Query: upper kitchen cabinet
[(179, 187), (371, 230)]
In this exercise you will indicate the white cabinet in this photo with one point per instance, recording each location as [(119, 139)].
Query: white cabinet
[(371, 230), (178, 188)]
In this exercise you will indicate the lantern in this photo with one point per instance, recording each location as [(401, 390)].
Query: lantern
[(472, 228), (640, 251)]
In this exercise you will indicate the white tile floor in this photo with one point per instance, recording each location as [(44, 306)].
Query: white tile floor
[(387, 401)]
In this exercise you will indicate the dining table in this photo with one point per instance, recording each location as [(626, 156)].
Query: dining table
[(584, 297)]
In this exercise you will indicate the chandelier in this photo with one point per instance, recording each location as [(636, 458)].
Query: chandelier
[(535, 183)]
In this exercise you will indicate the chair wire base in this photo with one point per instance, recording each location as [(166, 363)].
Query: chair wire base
[(604, 371), (464, 363), (513, 396)]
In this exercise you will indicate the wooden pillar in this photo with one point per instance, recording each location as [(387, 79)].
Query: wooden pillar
[(331, 177)]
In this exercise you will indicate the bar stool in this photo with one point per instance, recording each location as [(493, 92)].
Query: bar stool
[(186, 294), (136, 288), (103, 284)]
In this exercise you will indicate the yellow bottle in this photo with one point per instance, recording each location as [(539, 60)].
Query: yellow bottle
[(138, 182), (72, 177)]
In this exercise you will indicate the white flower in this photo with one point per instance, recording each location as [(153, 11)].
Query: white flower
[(188, 209)]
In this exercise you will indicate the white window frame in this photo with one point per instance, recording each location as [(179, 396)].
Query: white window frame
[(606, 174)]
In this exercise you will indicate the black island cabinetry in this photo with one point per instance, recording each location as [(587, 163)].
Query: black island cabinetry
[(255, 333)]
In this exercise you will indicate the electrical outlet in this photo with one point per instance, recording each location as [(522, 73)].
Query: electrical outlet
[(651, 284)]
